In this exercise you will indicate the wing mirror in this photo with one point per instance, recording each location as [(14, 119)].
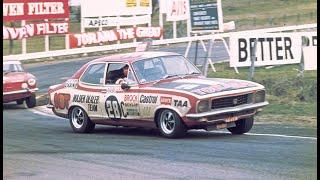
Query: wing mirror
[(125, 86)]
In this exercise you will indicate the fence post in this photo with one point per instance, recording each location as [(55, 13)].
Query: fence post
[(11, 41), (252, 58), (270, 20), (24, 40)]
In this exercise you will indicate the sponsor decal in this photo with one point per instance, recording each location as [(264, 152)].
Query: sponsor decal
[(61, 100), (85, 99), (131, 100), (133, 112), (148, 99), (93, 107), (187, 86), (165, 100), (222, 87), (115, 109), (180, 103), (71, 83), (90, 100), (146, 111), (113, 89)]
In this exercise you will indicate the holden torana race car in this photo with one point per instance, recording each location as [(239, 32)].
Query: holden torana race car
[(18, 85), (154, 89)]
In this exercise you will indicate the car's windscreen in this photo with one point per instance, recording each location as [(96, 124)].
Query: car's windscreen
[(12, 68), (154, 69)]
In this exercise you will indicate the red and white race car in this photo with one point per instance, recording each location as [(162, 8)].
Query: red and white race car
[(154, 89), (18, 85)]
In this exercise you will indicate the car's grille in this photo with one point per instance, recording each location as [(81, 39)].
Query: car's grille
[(229, 101)]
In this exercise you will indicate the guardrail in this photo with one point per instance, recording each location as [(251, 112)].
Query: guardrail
[(83, 50)]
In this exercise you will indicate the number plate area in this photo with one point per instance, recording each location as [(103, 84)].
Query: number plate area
[(231, 119)]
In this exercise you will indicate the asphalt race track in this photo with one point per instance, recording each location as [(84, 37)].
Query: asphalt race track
[(38, 145)]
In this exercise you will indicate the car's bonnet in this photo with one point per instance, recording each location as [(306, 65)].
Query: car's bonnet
[(205, 86)]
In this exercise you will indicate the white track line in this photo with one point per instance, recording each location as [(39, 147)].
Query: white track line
[(222, 132), (280, 135)]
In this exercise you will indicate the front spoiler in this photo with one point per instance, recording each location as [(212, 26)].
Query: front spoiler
[(227, 110)]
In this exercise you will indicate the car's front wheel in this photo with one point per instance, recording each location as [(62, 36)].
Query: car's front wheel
[(170, 124), (242, 126), (31, 101), (79, 121)]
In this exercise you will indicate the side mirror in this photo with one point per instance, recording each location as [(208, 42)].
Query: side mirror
[(125, 86)]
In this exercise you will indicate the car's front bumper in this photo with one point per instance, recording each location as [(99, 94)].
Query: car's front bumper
[(21, 91), (17, 95), (242, 110)]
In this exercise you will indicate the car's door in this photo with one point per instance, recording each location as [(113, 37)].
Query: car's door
[(90, 92), (120, 104)]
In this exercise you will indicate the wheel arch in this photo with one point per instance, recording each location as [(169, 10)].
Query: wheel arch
[(160, 108), (73, 106)]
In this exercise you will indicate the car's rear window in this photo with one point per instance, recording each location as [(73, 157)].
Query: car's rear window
[(94, 74)]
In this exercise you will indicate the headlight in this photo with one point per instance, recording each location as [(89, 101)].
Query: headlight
[(31, 82), (24, 85), (203, 106), (260, 96)]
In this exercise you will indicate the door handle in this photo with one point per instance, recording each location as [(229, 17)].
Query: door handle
[(104, 91)]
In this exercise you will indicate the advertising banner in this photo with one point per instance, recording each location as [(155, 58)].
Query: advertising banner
[(31, 30), (17, 10), (78, 40), (115, 21), (271, 49), (206, 15), (177, 10), (102, 8)]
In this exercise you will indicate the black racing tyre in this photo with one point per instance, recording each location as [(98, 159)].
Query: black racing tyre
[(242, 126), (31, 101), (79, 121), (170, 124), (20, 101)]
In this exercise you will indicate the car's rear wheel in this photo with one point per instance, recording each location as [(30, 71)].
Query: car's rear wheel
[(20, 101), (79, 121), (31, 101), (242, 126), (170, 124)]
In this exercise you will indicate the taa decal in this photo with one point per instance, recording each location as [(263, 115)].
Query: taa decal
[(180, 103), (114, 109), (61, 100)]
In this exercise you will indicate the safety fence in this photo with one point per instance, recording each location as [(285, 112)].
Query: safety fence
[(64, 52)]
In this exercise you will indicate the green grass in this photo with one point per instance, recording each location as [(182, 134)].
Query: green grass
[(248, 14), (288, 92)]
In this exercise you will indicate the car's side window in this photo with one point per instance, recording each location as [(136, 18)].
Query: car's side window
[(94, 74), (118, 71)]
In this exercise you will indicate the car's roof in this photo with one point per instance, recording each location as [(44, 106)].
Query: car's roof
[(11, 62), (135, 56)]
